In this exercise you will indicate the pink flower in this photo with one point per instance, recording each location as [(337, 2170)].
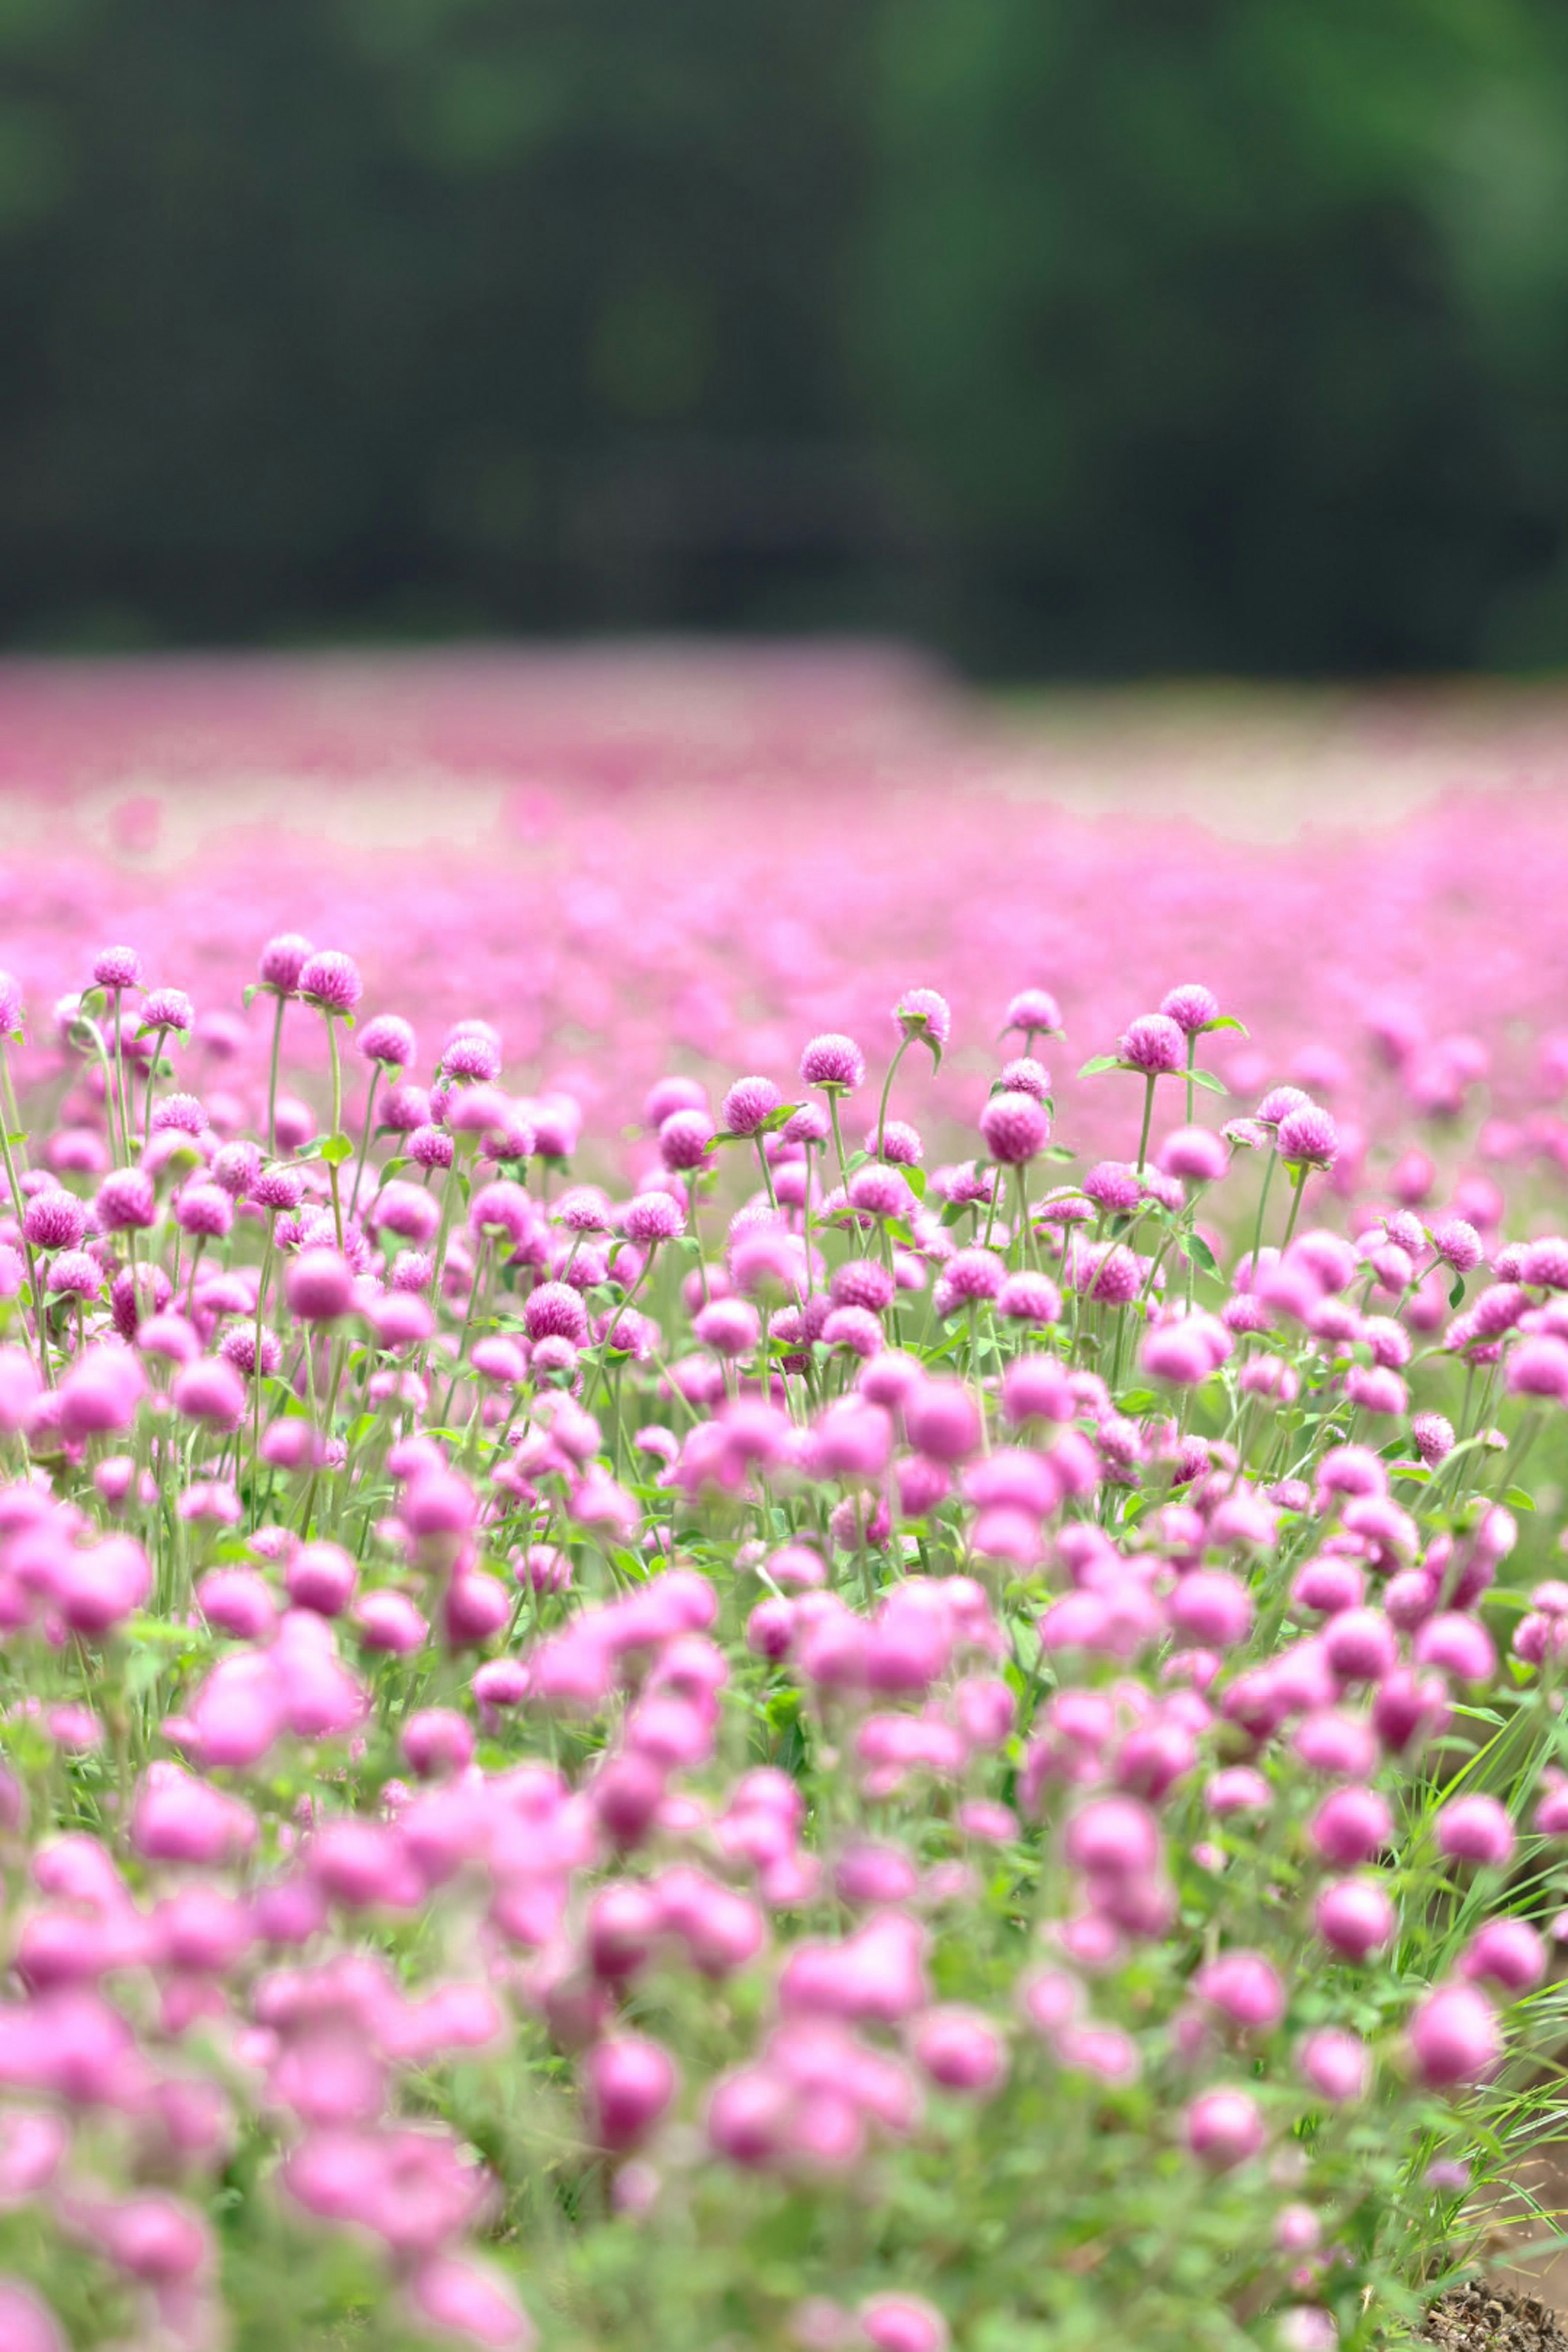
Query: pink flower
[(833, 1062), (1154, 1043), (330, 980)]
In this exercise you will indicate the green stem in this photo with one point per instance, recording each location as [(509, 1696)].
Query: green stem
[(887, 1091), (1262, 1204), (272, 1080), (991, 1212), (120, 1092), (1299, 1181), (1148, 1117), (10, 1113), (37, 1288), (838, 1136), (1030, 1257), (695, 1231), (365, 1139), (767, 1172), (158, 1037), (255, 1377), (337, 1121)]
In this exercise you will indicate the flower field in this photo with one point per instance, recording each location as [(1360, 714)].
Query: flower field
[(779, 1542)]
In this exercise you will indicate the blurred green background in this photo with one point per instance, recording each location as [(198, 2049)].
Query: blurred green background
[(1095, 337)]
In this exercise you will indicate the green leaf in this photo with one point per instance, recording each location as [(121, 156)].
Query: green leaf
[(1205, 1078), (19, 1135), (1227, 1021), (1518, 1500), (249, 994), (1057, 1151), (1092, 1068), (337, 1148), (313, 1149), (1196, 1251), (1457, 1294), (954, 1209), (915, 1178)]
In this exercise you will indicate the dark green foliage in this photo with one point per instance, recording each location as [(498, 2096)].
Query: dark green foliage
[(1111, 334)]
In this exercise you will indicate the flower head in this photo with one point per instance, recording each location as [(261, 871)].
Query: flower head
[(330, 980), (834, 1063), (1152, 1044)]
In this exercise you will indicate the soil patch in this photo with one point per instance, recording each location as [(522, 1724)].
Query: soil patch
[(1485, 2317)]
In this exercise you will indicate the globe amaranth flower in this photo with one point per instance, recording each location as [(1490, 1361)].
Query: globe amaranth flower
[(1191, 1007), (330, 980), (1112, 1185), (1029, 1298), (921, 1012), (237, 1347), (1458, 1243), (555, 1311), (583, 1209), (670, 1095), (1308, 1137), (472, 1057), (653, 1217), (1545, 1264), (389, 1040), (235, 1167), (748, 1104), (557, 1123), (729, 1326), (1280, 1102), (1194, 1154), (281, 961), (54, 1219), (1112, 1275), (277, 1189), (124, 1200), (974, 1274), (683, 1138), (1539, 1368), (1036, 1012), (179, 1115), (1024, 1076), (902, 1145), (117, 968), (319, 1285), (1152, 1044), (1015, 1128), (167, 1008), (833, 1062), (431, 1147), (1434, 1435), (862, 1282), (879, 1192), (403, 1108), (494, 1210), (75, 1274)]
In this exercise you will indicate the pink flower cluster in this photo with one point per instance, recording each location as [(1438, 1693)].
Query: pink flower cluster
[(622, 1703)]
